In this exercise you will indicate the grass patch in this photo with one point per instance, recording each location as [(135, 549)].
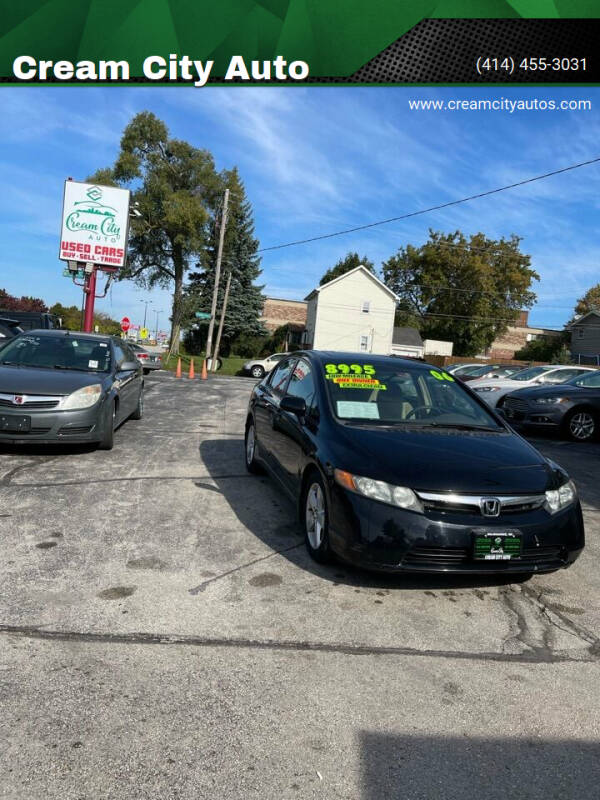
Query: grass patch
[(232, 365)]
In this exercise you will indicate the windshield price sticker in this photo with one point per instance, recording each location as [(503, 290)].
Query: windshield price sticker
[(440, 376), (355, 382), (333, 370)]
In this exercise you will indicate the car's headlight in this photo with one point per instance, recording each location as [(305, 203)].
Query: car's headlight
[(487, 388), (557, 499), (399, 496), (550, 401), (82, 398)]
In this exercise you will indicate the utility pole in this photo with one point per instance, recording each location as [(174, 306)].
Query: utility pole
[(158, 312), (221, 321), (213, 310)]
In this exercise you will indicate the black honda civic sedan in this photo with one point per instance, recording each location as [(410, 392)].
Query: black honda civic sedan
[(394, 465)]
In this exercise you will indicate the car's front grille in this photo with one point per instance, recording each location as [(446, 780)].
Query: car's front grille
[(516, 404), (475, 504), (30, 432), (543, 557), (29, 401)]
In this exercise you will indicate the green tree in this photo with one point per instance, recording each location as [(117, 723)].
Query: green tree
[(174, 185), (589, 302), (241, 259), (464, 290), (553, 349), (350, 261), (71, 317)]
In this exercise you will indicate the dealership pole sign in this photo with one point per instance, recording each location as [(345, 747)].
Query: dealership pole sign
[(95, 225)]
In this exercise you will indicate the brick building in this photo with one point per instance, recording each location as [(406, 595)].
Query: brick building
[(515, 338), (278, 312)]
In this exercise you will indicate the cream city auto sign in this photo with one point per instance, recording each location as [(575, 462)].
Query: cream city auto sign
[(95, 224)]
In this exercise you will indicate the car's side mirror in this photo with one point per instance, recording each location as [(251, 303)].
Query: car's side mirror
[(128, 366), (295, 405)]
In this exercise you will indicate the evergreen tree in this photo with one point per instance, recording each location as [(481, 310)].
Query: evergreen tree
[(349, 262), (245, 303)]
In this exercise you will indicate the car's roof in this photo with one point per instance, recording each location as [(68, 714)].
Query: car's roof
[(336, 356), (98, 337)]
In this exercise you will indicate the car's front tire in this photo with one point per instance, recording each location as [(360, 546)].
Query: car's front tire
[(108, 436), (257, 371), (581, 425), (252, 464), (139, 409), (316, 519)]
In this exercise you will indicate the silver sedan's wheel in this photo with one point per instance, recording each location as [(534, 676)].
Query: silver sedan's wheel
[(257, 371), (582, 426)]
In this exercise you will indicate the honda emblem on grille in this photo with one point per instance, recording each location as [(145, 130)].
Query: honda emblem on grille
[(490, 506), (18, 399)]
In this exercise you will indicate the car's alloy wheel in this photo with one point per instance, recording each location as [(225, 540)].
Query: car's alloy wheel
[(316, 521), (257, 372), (139, 410), (581, 426), (251, 463)]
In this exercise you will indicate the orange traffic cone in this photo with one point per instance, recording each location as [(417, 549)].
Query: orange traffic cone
[(204, 372), (191, 372), (178, 370)]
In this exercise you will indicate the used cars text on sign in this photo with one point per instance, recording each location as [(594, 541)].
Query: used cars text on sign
[(95, 224)]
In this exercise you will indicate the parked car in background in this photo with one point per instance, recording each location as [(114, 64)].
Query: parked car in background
[(258, 367), (395, 465), (147, 359), (462, 369), (9, 327), (33, 320), (492, 371), (573, 407), (493, 390), (62, 386)]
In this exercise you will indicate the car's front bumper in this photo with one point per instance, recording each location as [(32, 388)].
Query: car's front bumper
[(381, 537), (84, 425), (536, 417)]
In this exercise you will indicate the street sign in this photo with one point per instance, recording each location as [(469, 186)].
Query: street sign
[(95, 225), (202, 315), (144, 333), (125, 324)]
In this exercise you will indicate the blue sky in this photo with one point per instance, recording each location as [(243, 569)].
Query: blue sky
[(315, 160)]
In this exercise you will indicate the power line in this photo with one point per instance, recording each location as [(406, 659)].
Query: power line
[(433, 208)]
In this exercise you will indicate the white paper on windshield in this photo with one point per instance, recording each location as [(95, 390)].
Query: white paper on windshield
[(355, 408), (93, 364)]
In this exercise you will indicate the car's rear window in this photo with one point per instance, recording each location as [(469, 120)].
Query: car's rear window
[(385, 394), (57, 352)]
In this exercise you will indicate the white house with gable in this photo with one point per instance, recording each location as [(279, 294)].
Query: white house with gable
[(354, 312)]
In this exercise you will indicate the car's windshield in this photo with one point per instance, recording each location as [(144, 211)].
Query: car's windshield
[(57, 352), (476, 371), (592, 380), (379, 393), (529, 374)]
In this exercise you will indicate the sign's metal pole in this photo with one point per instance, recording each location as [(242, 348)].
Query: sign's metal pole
[(90, 296), (213, 311)]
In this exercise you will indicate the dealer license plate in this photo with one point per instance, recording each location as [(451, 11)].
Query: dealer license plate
[(15, 424), (496, 546)]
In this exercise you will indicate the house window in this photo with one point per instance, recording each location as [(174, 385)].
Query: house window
[(364, 344), (580, 333), (366, 306)]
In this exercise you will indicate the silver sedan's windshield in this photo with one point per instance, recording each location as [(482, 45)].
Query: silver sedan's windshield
[(57, 352)]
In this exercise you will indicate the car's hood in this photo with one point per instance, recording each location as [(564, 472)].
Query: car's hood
[(503, 383), (446, 460), (29, 380), (557, 390)]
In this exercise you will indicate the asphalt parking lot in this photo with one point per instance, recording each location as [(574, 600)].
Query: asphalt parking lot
[(165, 635)]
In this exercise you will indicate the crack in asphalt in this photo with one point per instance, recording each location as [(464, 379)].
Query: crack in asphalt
[(528, 608), (6, 479), (202, 586), (338, 648), (88, 482)]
